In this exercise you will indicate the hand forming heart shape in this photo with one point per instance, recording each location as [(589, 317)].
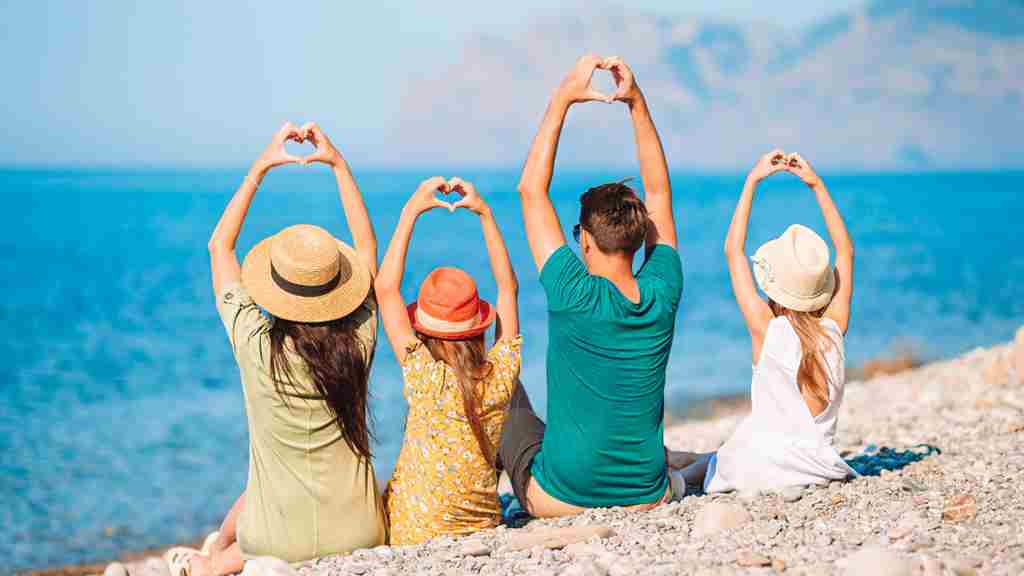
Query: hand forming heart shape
[(576, 87), (779, 161), (426, 196), (324, 151)]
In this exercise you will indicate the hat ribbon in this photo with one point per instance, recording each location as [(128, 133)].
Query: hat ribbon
[(303, 289), (440, 325)]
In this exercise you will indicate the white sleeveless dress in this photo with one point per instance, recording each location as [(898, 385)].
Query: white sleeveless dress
[(781, 444)]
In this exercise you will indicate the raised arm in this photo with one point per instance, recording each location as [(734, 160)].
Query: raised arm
[(388, 284), (653, 167), (543, 230), (351, 199), (756, 311), (839, 308), (224, 267), (501, 266)]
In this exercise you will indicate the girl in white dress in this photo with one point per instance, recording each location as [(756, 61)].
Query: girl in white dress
[(797, 347)]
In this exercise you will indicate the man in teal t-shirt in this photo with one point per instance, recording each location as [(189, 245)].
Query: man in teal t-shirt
[(609, 330)]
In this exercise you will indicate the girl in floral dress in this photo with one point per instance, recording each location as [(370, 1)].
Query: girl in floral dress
[(445, 480)]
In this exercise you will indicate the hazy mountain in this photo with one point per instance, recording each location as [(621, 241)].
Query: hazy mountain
[(892, 84)]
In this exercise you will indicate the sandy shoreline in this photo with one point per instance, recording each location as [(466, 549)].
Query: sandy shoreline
[(958, 512)]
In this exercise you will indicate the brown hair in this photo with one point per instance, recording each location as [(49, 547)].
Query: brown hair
[(335, 359), (615, 217), (468, 359), (814, 373)]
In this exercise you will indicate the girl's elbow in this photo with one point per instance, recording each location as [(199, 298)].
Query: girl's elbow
[(383, 285), (217, 246)]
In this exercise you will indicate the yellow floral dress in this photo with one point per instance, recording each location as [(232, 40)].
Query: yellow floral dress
[(442, 484)]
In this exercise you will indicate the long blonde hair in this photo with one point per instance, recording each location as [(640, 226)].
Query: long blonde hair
[(468, 359), (814, 374)]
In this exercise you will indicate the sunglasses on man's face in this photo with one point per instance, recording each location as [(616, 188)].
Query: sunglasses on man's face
[(576, 233)]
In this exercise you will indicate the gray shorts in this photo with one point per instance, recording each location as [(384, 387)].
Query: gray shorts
[(521, 439)]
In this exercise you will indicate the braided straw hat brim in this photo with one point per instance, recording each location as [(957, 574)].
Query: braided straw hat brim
[(338, 303), (771, 275)]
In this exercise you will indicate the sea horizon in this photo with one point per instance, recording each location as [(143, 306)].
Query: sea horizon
[(122, 410)]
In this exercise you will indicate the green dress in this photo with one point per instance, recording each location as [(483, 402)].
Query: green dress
[(308, 495)]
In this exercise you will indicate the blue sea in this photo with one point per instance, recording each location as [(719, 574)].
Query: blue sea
[(121, 417)]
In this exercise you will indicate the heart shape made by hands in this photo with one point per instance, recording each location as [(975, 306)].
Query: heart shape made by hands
[(297, 146)]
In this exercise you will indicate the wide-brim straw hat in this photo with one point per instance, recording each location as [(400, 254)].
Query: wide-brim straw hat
[(304, 274), (794, 270), (449, 306)]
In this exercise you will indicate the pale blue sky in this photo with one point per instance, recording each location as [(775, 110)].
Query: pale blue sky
[(162, 83)]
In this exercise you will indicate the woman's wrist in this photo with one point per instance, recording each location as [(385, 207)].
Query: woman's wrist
[(257, 171)]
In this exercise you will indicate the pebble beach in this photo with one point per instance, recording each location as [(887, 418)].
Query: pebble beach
[(946, 442)]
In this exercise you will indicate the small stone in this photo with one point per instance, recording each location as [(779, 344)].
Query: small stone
[(838, 499), (155, 566), (584, 568), (267, 566), (921, 542), (582, 549), (792, 493), (911, 485), (752, 559), (930, 567), (718, 516), (961, 568), (778, 565), (877, 562), (768, 531), (899, 531), (474, 549), (383, 551), (555, 538), (358, 568), (115, 569), (662, 569), (960, 508), (613, 564)]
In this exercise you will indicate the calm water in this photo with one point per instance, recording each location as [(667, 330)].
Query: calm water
[(121, 417)]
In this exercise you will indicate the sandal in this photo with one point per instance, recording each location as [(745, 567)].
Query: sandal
[(178, 560), (211, 539)]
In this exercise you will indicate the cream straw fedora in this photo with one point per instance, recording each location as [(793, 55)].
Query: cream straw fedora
[(304, 274), (794, 270)]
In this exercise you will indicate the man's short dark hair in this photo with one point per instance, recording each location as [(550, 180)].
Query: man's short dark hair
[(615, 217)]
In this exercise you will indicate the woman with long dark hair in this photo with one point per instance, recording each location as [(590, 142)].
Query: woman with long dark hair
[(301, 318)]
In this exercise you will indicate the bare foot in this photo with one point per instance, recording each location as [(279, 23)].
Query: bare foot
[(200, 565)]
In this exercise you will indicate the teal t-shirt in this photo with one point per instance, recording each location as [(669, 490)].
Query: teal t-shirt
[(606, 361)]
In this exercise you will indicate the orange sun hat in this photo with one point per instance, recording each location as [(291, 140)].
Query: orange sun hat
[(449, 306)]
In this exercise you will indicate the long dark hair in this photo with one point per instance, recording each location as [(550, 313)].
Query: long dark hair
[(337, 363), (468, 359)]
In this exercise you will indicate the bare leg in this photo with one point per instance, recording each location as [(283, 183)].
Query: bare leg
[(695, 472), (225, 555), (680, 459)]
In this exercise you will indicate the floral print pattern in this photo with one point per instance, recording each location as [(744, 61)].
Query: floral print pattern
[(442, 484)]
